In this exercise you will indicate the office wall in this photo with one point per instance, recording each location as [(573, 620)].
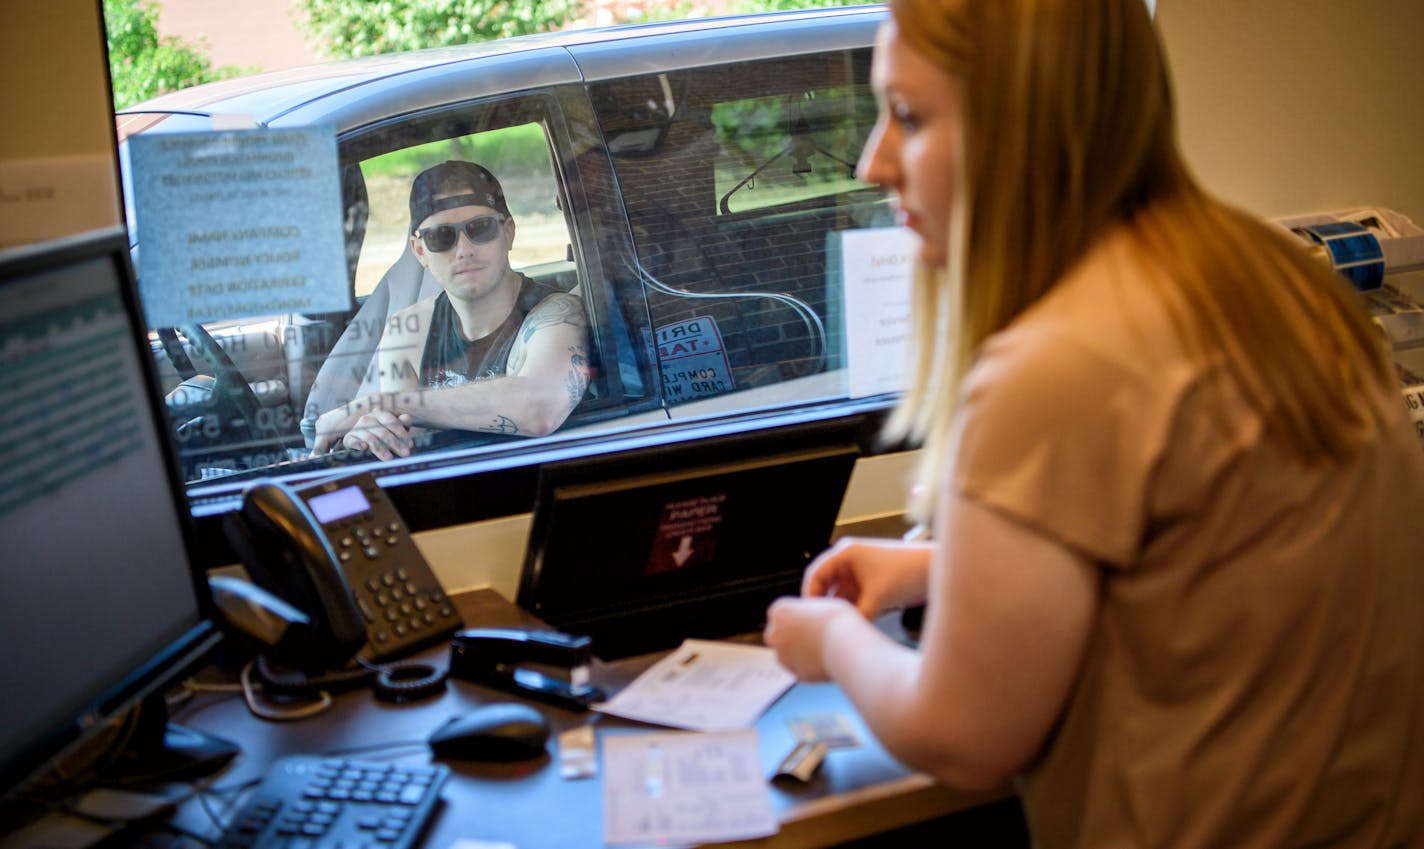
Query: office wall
[(1292, 106), (57, 172)]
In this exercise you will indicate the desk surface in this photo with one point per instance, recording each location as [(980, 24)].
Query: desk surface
[(856, 792)]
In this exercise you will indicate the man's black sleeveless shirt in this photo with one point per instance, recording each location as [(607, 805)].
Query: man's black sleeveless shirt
[(450, 361)]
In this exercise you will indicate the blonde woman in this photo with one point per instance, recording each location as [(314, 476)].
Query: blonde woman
[(1176, 590)]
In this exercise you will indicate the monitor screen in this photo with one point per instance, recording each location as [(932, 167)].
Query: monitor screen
[(101, 604), (645, 548)]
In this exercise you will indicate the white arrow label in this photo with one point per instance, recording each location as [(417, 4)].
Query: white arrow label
[(684, 551)]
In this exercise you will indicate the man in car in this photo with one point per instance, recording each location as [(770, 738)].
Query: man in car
[(495, 352)]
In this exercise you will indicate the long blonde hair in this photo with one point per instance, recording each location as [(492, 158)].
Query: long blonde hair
[(1067, 129)]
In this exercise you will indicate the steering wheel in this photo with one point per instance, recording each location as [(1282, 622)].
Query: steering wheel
[(233, 397)]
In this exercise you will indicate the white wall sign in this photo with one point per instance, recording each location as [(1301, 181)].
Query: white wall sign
[(49, 197), (238, 223)]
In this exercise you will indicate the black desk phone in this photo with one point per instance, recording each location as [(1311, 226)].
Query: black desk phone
[(338, 551)]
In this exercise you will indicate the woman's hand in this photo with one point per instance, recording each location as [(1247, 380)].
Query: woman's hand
[(855, 577), (872, 574), (796, 630)]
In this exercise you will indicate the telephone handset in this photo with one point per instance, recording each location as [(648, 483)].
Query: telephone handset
[(338, 551)]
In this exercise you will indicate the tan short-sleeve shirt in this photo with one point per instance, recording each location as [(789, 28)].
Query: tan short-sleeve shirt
[(1255, 676)]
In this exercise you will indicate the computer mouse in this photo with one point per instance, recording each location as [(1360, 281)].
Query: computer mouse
[(503, 731)]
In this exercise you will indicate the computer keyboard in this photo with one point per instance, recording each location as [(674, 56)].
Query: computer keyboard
[(310, 802)]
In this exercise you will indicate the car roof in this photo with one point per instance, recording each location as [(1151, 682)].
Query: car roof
[(357, 92)]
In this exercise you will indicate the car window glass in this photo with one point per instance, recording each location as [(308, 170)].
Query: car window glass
[(775, 151), (732, 210), (693, 213)]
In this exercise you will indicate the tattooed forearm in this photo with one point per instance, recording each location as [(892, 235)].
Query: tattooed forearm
[(500, 424)]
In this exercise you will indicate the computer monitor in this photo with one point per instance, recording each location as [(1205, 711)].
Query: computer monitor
[(643, 548), (102, 609)]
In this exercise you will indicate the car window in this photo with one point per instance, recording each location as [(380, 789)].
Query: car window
[(246, 395), (733, 204), (775, 151), (512, 139)]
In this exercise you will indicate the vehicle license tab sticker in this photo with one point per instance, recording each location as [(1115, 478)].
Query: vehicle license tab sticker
[(238, 224), (694, 363)]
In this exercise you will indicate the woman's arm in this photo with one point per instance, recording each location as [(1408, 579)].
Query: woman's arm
[(1010, 612)]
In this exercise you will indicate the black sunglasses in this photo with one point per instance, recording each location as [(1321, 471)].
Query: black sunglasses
[(480, 230)]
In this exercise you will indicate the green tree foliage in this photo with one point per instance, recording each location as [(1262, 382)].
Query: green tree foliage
[(348, 28), (667, 10), (750, 6), (145, 65)]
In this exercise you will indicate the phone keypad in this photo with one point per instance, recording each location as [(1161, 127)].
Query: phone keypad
[(367, 541), (401, 601), (400, 612)]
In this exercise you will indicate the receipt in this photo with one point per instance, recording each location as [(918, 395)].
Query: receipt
[(684, 787), (704, 686)]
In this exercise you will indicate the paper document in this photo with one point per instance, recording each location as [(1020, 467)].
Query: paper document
[(684, 787), (876, 270), (705, 686)]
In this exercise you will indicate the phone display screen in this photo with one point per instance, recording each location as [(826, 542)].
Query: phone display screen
[(330, 506)]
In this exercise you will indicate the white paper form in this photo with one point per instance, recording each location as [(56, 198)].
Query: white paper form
[(706, 686), (876, 267), (684, 787)]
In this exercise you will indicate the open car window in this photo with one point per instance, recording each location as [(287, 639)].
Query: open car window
[(520, 156)]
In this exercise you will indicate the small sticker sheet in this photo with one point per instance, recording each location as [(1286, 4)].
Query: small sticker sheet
[(832, 730), (578, 753)]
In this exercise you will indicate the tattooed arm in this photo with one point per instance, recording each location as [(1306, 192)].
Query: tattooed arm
[(551, 354), (544, 380)]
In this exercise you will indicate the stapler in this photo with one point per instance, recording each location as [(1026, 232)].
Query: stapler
[(550, 666)]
